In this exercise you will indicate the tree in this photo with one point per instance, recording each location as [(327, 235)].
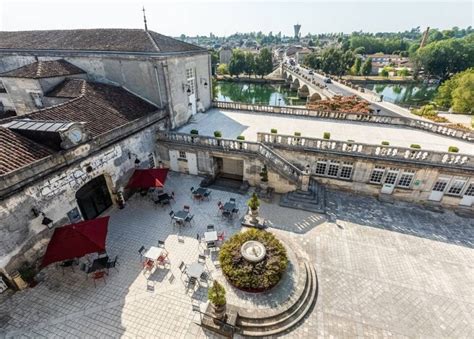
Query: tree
[(264, 62), (249, 66), (237, 62), (312, 60), (334, 61), (403, 72), (223, 69), (384, 72), (457, 93), (366, 68), (356, 67)]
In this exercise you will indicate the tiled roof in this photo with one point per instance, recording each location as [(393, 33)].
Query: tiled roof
[(44, 69), (120, 40), (17, 151), (69, 88)]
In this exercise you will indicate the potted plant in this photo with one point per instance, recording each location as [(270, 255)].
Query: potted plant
[(264, 177), (216, 295), (253, 204)]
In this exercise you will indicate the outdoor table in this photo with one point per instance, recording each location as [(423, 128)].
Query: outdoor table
[(153, 253), (180, 216), (99, 264), (162, 198), (195, 270), (210, 236), (229, 207), (200, 191)]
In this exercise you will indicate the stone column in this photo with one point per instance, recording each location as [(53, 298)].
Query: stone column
[(304, 182)]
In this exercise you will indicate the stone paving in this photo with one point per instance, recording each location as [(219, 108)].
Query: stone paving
[(383, 270), (235, 123)]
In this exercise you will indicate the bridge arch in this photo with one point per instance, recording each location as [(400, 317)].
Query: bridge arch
[(303, 92), (295, 84), (315, 97)]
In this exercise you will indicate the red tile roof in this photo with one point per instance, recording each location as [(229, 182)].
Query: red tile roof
[(44, 69)]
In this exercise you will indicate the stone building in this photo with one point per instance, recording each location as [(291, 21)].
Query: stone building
[(80, 111), (225, 54)]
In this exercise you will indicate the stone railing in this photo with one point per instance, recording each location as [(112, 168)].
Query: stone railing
[(357, 149), (309, 81), (277, 162), (366, 118)]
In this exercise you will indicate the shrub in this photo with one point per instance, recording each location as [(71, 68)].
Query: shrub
[(218, 134), (274, 130), (385, 143), (415, 146), (216, 294), (297, 134), (264, 174), (327, 135), (194, 131), (240, 137), (253, 202), (453, 149), (248, 276)]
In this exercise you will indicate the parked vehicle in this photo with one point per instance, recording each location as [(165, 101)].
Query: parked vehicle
[(327, 80), (311, 73)]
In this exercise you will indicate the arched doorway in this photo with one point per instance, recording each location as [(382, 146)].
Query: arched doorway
[(93, 198)]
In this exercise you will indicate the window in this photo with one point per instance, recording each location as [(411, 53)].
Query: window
[(406, 178), (377, 174), (321, 167), (190, 80), (333, 169), (182, 155), (38, 100), (456, 187), (440, 185), (469, 190), (151, 160), (391, 177), (346, 171)]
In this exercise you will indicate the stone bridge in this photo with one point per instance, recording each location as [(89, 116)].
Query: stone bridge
[(304, 85)]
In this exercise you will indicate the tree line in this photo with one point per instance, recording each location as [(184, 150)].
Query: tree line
[(243, 62)]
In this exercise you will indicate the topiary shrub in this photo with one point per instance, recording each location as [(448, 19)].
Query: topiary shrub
[(216, 294), (415, 146), (194, 131), (385, 143), (240, 137), (253, 202), (218, 134), (248, 276), (264, 174), (327, 135), (274, 131), (453, 149), (297, 134)]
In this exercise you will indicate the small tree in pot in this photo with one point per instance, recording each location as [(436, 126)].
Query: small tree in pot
[(264, 177), (216, 295), (253, 204)]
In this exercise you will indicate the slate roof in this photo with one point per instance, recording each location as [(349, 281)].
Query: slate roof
[(119, 40), (44, 69), (17, 151)]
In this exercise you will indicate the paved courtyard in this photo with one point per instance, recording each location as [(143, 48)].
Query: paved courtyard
[(235, 123), (383, 270)]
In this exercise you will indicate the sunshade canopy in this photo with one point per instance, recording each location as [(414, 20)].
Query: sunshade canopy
[(76, 240), (147, 178)]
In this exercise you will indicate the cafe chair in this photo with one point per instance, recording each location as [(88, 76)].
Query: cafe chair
[(98, 275)]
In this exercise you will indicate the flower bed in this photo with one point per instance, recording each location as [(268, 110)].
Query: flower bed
[(248, 276)]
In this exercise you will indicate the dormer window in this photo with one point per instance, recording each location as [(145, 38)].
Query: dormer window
[(38, 99)]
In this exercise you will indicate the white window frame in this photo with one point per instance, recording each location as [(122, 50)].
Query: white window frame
[(469, 191), (182, 155), (458, 184), (346, 166), (37, 99), (439, 182), (391, 173), (319, 164), (409, 175), (379, 170), (333, 165)]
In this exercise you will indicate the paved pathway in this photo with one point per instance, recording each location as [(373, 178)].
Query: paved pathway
[(383, 270)]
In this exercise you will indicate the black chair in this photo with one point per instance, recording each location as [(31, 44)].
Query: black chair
[(141, 251), (207, 195), (192, 189), (191, 283), (182, 267), (161, 243), (189, 218), (67, 263), (232, 200), (204, 277), (112, 264), (211, 244), (201, 258), (83, 267), (210, 228)]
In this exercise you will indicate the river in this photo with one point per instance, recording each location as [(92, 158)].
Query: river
[(405, 94)]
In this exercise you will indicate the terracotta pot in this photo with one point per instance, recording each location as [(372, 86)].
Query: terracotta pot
[(219, 311)]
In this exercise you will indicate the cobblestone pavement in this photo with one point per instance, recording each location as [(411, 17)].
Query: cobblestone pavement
[(383, 270)]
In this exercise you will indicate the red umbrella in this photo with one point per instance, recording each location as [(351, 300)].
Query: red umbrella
[(146, 178), (76, 240)]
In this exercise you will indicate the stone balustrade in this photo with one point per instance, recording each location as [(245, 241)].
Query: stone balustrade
[(393, 153), (356, 117), (276, 161)]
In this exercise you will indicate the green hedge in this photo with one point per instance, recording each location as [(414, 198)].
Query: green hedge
[(453, 149), (327, 135), (248, 276), (415, 146), (274, 130), (218, 134), (194, 131), (240, 137), (385, 143)]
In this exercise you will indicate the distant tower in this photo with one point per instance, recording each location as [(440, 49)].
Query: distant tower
[(144, 18), (297, 28), (425, 37)]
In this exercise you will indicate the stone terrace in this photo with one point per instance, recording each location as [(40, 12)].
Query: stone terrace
[(235, 123), (383, 270)]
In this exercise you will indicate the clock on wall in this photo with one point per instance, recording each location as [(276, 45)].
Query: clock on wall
[(75, 135)]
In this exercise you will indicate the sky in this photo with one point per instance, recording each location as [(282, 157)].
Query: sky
[(225, 17)]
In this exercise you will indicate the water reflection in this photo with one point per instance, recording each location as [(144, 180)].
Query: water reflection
[(405, 94), (268, 94)]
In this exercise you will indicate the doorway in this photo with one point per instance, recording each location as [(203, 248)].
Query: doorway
[(93, 198)]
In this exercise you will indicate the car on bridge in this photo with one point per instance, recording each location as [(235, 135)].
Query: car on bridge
[(327, 80), (311, 73)]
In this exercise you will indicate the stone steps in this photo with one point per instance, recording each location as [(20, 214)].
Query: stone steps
[(287, 319), (313, 200)]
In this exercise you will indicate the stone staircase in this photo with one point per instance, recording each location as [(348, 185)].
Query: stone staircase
[(313, 200), (254, 324)]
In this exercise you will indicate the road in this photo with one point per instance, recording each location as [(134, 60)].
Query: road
[(380, 108)]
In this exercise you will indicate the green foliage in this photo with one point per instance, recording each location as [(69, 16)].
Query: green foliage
[(240, 137), (264, 174), (442, 58), (194, 131), (237, 62), (216, 294), (249, 66), (366, 67), (297, 134), (403, 72), (312, 60), (249, 276), (327, 135), (274, 130), (415, 146), (384, 72), (426, 110), (218, 134), (458, 92), (375, 45), (223, 69), (253, 202), (385, 143), (264, 62), (335, 61), (453, 149), (355, 69)]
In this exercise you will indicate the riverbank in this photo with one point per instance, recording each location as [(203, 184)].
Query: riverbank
[(380, 80), (251, 79)]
